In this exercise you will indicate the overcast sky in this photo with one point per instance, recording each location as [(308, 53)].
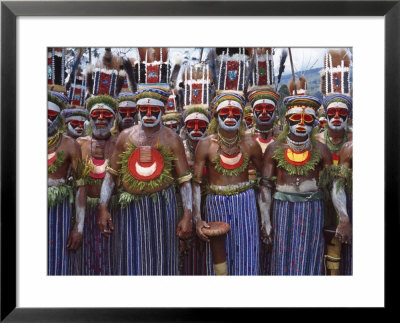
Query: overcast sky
[(303, 58)]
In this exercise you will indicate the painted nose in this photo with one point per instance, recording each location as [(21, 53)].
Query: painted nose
[(101, 117), (264, 111), (302, 120), (196, 127), (337, 114), (230, 113), (149, 112)]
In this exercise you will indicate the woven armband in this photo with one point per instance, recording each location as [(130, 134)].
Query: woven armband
[(184, 178), (112, 171), (197, 180), (80, 182), (268, 181)]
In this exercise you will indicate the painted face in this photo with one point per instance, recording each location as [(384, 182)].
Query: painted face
[(51, 116), (101, 121), (249, 121), (196, 129), (229, 118), (127, 116), (301, 121), (337, 113), (150, 115), (173, 125), (54, 120), (264, 114), (76, 127)]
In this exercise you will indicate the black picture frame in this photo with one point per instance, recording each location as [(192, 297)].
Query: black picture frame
[(10, 10)]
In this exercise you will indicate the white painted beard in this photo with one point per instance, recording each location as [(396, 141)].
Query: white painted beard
[(153, 124), (342, 126), (124, 124), (229, 128), (73, 130), (196, 138), (264, 123), (101, 132), (293, 130)]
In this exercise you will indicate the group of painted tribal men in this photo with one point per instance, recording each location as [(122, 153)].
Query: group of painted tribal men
[(140, 195)]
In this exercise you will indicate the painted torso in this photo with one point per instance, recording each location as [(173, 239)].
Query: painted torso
[(98, 153), (322, 137), (146, 162), (303, 182), (217, 178), (59, 159)]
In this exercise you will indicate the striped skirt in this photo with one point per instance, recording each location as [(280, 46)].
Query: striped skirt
[(298, 241), (243, 240), (96, 250), (194, 257), (147, 236), (60, 260), (346, 256)]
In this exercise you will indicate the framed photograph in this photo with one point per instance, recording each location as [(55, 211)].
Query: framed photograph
[(369, 28)]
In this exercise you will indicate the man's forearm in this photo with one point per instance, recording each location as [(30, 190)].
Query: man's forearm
[(196, 201), (339, 201), (80, 207), (106, 189), (186, 194), (264, 203)]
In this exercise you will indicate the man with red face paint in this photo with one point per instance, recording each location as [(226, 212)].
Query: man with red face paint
[(97, 251), (226, 153), (145, 157), (338, 109), (291, 168), (75, 119), (195, 126), (127, 110), (248, 117), (264, 103), (173, 120), (63, 156)]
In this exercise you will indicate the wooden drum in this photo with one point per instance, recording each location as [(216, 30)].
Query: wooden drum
[(217, 234)]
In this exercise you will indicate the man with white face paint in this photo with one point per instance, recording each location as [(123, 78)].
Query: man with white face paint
[(63, 156), (338, 108), (127, 110), (145, 157), (291, 167), (226, 153), (196, 123), (172, 120), (97, 249), (75, 119), (264, 102)]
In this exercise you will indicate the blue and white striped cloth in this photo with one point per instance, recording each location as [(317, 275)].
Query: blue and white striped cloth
[(96, 250), (147, 238), (242, 242), (346, 257), (298, 241), (58, 230)]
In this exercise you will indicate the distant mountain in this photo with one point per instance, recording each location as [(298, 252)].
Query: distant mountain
[(313, 81)]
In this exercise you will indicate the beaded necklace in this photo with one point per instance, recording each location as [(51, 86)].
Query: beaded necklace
[(229, 143), (54, 141), (299, 145)]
